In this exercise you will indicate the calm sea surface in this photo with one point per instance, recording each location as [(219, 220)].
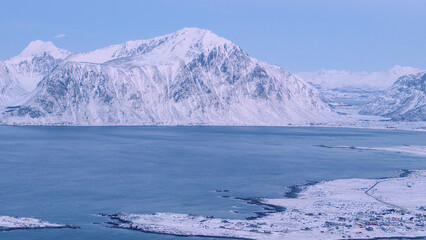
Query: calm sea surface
[(70, 174)]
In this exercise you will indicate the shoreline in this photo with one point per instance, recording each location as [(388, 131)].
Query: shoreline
[(419, 130), (191, 225)]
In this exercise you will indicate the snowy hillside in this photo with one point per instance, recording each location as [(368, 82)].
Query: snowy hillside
[(405, 100), (189, 77)]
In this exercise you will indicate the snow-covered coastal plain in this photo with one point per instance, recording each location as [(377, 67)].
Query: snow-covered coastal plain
[(8, 223), (339, 209)]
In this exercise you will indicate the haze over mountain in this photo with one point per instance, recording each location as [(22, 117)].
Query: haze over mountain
[(189, 77)]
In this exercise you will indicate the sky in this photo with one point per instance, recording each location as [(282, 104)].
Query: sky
[(298, 35)]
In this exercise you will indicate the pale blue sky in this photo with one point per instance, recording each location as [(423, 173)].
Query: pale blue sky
[(298, 35)]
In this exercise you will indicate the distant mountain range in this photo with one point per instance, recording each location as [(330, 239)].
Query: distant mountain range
[(405, 100), (347, 80), (398, 93), (190, 77), (354, 88)]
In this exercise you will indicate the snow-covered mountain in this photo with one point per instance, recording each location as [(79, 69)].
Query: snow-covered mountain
[(189, 77), (355, 88), (405, 100), (20, 75)]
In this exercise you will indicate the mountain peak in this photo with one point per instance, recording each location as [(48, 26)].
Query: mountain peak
[(193, 29), (196, 32), (204, 36), (38, 48)]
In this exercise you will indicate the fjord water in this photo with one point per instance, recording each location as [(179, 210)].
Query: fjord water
[(70, 174)]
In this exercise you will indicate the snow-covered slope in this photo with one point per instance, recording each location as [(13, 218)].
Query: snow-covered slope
[(20, 75), (10, 89), (405, 100), (189, 77)]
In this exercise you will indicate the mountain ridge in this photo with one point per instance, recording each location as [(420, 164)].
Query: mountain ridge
[(190, 77), (195, 36)]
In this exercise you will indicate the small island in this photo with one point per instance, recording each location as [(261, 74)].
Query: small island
[(8, 223)]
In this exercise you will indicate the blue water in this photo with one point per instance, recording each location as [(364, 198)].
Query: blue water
[(69, 174)]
